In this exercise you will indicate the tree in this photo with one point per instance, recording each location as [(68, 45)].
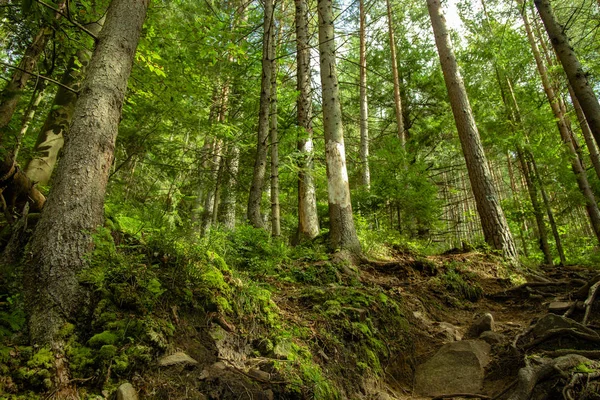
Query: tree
[(75, 206), (308, 222), (260, 163), (572, 67), (365, 174), (341, 230), (493, 221)]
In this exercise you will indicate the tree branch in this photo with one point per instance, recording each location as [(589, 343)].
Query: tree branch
[(83, 28), (41, 77)]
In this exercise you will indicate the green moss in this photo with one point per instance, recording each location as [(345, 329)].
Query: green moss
[(106, 337)]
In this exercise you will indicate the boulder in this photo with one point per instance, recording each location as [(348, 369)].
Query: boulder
[(126, 392), (457, 367), (553, 321), (482, 324), (179, 358)]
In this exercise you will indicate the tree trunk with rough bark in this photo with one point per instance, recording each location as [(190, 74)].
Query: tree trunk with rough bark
[(308, 222), (572, 67), (10, 95), (75, 206), (341, 230), (576, 165), (275, 211), (493, 221), (365, 173), (51, 136), (397, 98), (260, 163)]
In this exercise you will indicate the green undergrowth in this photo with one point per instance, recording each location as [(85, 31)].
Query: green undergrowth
[(324, 334)]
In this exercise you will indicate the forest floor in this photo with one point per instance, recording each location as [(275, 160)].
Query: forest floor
[(309, 327)]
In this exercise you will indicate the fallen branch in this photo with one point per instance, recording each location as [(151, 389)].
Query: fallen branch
[(589, 302), (467, 395)]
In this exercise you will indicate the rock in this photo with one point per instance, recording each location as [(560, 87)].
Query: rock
[(457, 367), (259, 375), (448, 332), (553, 321), (482, 324), (179, 358), (559, 307), (492, 337), (126, 392)]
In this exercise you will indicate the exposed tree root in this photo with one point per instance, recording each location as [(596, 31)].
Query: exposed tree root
[(530, 375)]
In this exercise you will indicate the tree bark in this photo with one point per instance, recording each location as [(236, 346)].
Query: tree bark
[(9, 98), (572, 67), (275, 212), (260, 163), (365, 173), (75, 206), (397, 98), (308, 222), (495, 228), (51, 136), (341, 231), (576, 165)]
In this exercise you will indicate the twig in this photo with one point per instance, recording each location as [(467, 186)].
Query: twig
[(467, 395), (589, 302), (83, 28), (41, 77)]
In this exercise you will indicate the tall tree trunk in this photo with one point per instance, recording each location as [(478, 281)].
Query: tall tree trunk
[(493, 221), (10, 95), (587, 133), (397, 99), (342, 231), (36, 99), (365, 173), (275, 216), (308, 222), (260, 163), (576, 165), (51, 136), (572, 67), (75, 206), (553, 226), (229, 196)]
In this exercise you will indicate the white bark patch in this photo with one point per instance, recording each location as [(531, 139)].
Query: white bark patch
[(338, 190)]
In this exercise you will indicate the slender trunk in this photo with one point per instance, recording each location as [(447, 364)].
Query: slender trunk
[(229, 197), (308, 222), (51, 136), (10, 95), (38, 95), (587, 133), (576, 165), (572, 67), (365, 175), (517, 204), (342, 231), (537, 210), (493, 221), (553, 226), (260, 164), (75, 206), (275, 217), (397, 99)]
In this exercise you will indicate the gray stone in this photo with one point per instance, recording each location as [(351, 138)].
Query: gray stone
[(126, 392), (179, 358), (559, 306), (553, 321), (482, 324), (492, 338), (457, 367)]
